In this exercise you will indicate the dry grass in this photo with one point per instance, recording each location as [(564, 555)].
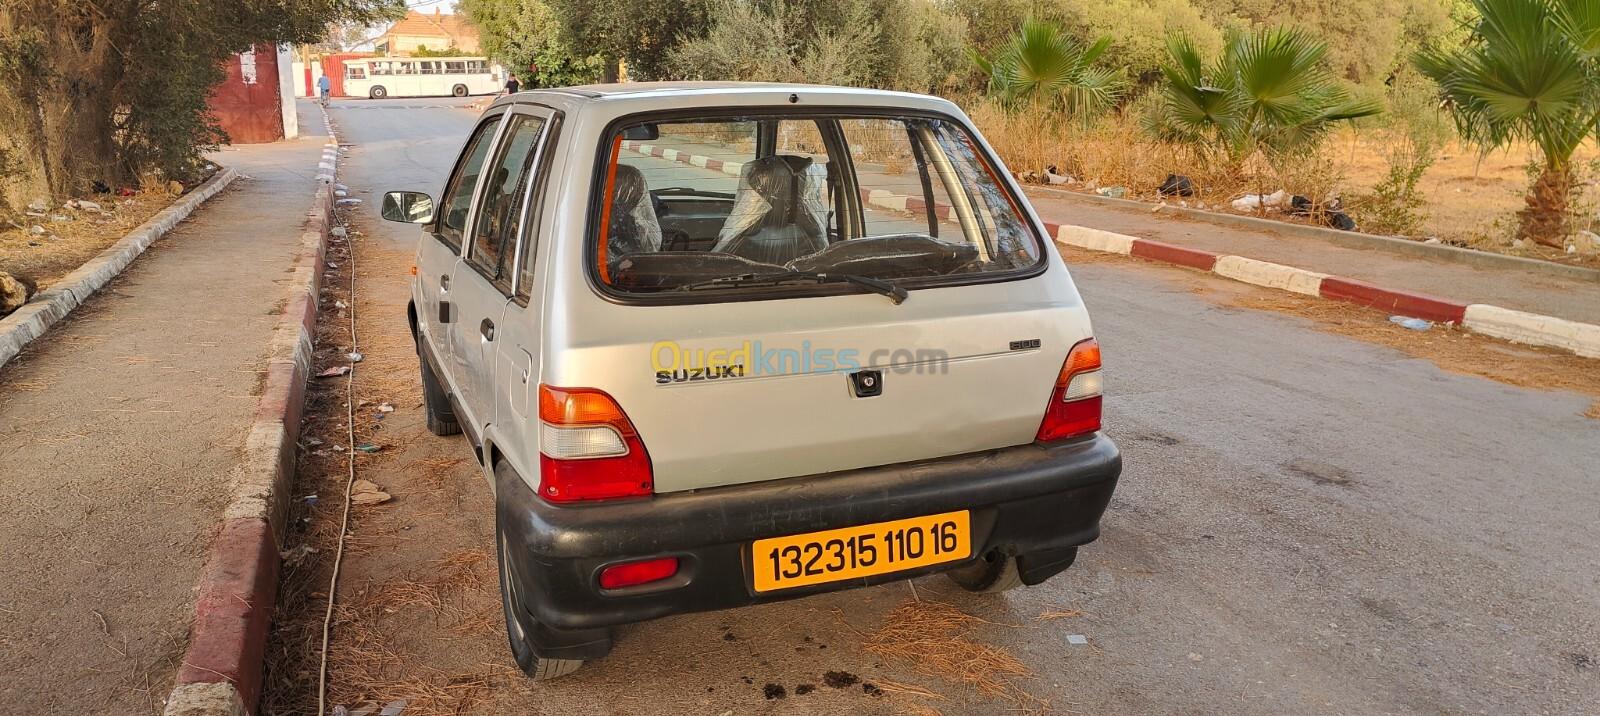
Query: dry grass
[(931, 637), (1469, 200), (67, 245)]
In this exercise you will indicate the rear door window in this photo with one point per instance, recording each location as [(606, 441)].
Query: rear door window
[(500, 207), (456, 202)]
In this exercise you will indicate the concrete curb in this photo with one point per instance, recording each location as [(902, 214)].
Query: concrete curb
[(221, 673), (1352, 239), (1580, 338), (28, 323)]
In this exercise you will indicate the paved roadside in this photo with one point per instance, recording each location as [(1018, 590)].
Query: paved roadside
[(118, 432), (1523, 290)]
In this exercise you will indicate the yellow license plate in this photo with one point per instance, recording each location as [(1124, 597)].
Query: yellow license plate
[(861, 551)]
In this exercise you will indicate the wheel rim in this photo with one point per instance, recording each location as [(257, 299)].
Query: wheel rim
[(512, 600)]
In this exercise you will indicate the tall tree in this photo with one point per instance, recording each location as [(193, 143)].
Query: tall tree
[(641, 33), (1529, 72), (527, 36), (111, 91)]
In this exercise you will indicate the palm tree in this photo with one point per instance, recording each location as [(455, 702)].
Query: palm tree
[(1042, 65), (1268, 93), (1530, 71)]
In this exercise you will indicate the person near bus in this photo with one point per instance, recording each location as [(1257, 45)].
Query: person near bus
[(324, 87), (512, 85)]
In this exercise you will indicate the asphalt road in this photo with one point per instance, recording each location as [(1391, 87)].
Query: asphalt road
[(1307, 523)]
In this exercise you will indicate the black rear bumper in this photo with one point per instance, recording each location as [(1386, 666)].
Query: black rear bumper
[(1038, 502)]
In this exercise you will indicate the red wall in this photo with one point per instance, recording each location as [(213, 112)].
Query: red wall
[(333, 65), (251, 113)]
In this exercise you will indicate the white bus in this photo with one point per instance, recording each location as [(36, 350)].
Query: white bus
[(379, 77)]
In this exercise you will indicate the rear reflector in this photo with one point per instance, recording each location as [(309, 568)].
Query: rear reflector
[(588, 449), (632, 574), (1075, 403)]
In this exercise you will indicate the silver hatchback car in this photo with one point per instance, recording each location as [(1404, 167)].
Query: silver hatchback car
[(723, 344)]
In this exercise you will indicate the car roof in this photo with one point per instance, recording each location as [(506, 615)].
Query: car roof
[(643, 96)]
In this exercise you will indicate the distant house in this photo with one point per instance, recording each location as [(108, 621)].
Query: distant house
[(437, 31)]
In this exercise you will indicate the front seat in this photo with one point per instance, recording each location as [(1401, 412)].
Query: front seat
[(633, 227), (778, 214)]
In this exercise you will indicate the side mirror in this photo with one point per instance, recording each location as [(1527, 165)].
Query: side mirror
[(407, 207)]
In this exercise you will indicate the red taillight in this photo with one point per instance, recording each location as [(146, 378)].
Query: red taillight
[(1074, 407), (632, 574), (588, 449)]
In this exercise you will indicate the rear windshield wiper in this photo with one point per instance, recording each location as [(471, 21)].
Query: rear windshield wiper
[(878, 286)]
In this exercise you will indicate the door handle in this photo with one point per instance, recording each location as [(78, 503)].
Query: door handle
[(487, 329), (444, 282)]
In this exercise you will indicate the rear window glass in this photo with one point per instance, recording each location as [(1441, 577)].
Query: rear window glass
[(726, 204)]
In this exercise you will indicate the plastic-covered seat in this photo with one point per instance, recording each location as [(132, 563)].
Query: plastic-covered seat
[(780, 212), (634, 227)]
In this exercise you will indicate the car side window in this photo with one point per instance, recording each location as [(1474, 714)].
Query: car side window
[(500, 209), (457, 199)]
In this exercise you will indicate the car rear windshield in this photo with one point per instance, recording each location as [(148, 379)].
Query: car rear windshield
[(717, 206)]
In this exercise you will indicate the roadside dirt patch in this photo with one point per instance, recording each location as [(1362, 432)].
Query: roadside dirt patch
[(66, 245), (1454, 349)]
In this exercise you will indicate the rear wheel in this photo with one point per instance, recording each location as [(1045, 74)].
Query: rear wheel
[(459, 90), (378, 92), (520, 624), (436, 403), (993, 574)]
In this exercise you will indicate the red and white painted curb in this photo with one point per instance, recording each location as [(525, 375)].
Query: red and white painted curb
[(1516, 326), (221, 672)]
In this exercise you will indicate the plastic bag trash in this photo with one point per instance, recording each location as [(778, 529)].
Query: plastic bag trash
[(1176, 185), (341, 193), (37, 230), (369, 448), (354, 356), (1277, 198), (83, 204), (334, 372), (340, 304), (348, 202), (1415, 324), (386, 408), (393, 708), (1248, 202), (338, 231), (1077, 639), (1052, 175), (340, 711), (1115, 192)]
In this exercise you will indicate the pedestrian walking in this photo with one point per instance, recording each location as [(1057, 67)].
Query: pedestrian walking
[(324, 88), (512, 85)]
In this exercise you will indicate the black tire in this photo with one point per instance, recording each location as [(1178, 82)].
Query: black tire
[(517, 627), (377, 92), (992, 574), (459, 91), (436, 403)]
